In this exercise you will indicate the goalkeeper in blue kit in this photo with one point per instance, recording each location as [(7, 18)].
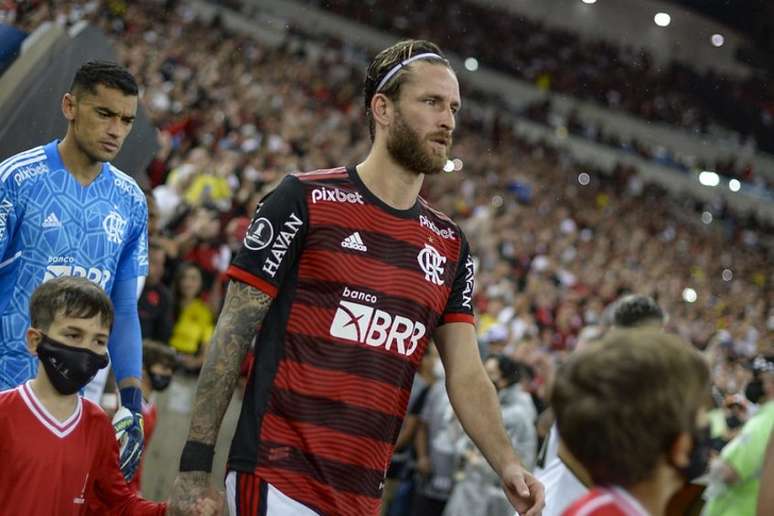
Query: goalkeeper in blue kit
[(66, 211)]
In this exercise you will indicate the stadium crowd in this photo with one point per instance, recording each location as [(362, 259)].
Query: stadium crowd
[(553, 250)]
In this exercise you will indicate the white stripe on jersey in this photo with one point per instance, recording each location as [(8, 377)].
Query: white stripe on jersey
[(17, 162), (126, 177), (123, 175), (596, 503), (23, 154), (60, 429)]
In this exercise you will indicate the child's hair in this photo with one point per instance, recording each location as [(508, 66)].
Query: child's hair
[(69, 296), (153, 353)]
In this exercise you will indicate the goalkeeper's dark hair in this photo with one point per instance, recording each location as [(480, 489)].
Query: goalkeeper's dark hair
[(106, 73)]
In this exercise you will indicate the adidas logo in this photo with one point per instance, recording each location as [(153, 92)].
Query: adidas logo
[(354, 241), (52, 221)]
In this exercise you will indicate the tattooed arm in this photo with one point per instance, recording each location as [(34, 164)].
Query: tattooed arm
[(243, 310)]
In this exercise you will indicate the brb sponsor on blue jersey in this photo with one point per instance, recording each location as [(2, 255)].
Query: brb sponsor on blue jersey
[(51, 225)]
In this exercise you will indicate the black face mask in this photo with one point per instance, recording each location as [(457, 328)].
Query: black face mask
[(700, 454), (159, 382), (68, 368)]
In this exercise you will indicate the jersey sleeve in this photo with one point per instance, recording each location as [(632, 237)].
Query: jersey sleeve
[(9, 257), (274, 238), (459, 307), (133, 262), (109, 486)]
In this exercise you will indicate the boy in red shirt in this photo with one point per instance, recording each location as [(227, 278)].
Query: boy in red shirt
[(58, 451), (631, 410)]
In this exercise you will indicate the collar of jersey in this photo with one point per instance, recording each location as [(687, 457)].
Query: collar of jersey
[(60, 429), (410, 213)]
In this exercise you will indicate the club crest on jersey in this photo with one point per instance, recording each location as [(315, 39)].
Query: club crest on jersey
[(114, 226), (431, 262), (259, 234)]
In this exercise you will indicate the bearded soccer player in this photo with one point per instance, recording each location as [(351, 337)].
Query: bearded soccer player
[(348, 273), (65, 210)]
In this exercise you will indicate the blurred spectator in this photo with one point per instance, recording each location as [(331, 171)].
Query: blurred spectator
[(436, 442), (159, 363), (194, 321), (735, 475), (479, 493), (155, 304), (399, 483)]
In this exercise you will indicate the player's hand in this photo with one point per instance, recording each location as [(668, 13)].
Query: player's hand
[(190, 493), (210, 506), (523, 490), (131, 449)]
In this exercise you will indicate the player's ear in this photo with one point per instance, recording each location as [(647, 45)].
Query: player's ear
[(68, 106), (382, 109), (34, 336)]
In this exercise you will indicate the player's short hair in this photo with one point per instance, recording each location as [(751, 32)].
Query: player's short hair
[(621, 403), (385, 61), (155, 353), (106, 73), (636, 310), (69, 296)]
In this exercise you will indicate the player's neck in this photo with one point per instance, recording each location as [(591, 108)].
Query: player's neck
[(59, 405), (393, 184), (81, 166)]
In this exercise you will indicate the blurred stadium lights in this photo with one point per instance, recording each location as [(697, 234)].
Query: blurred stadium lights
[(734, 185), (689, 295), (471, 64), (706, 217), (457, 164), (584, 179), (717, 40), (662, 19), (709, 178), (589, 1), (449, 167)]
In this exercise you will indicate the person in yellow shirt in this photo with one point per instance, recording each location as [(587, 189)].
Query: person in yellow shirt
[(194, 322)]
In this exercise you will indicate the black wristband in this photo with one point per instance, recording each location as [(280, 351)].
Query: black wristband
[(197, 457)]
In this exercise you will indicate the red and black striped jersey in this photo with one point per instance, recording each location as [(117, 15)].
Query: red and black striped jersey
[(359, 288)]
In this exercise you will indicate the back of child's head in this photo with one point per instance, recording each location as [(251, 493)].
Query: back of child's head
[(621, 402), (72, 297), (154, 353)]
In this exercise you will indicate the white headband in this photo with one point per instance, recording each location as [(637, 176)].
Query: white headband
[(395, 69)]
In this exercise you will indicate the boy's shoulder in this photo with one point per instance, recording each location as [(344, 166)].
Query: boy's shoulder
[(9, 397), (95, 415)]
